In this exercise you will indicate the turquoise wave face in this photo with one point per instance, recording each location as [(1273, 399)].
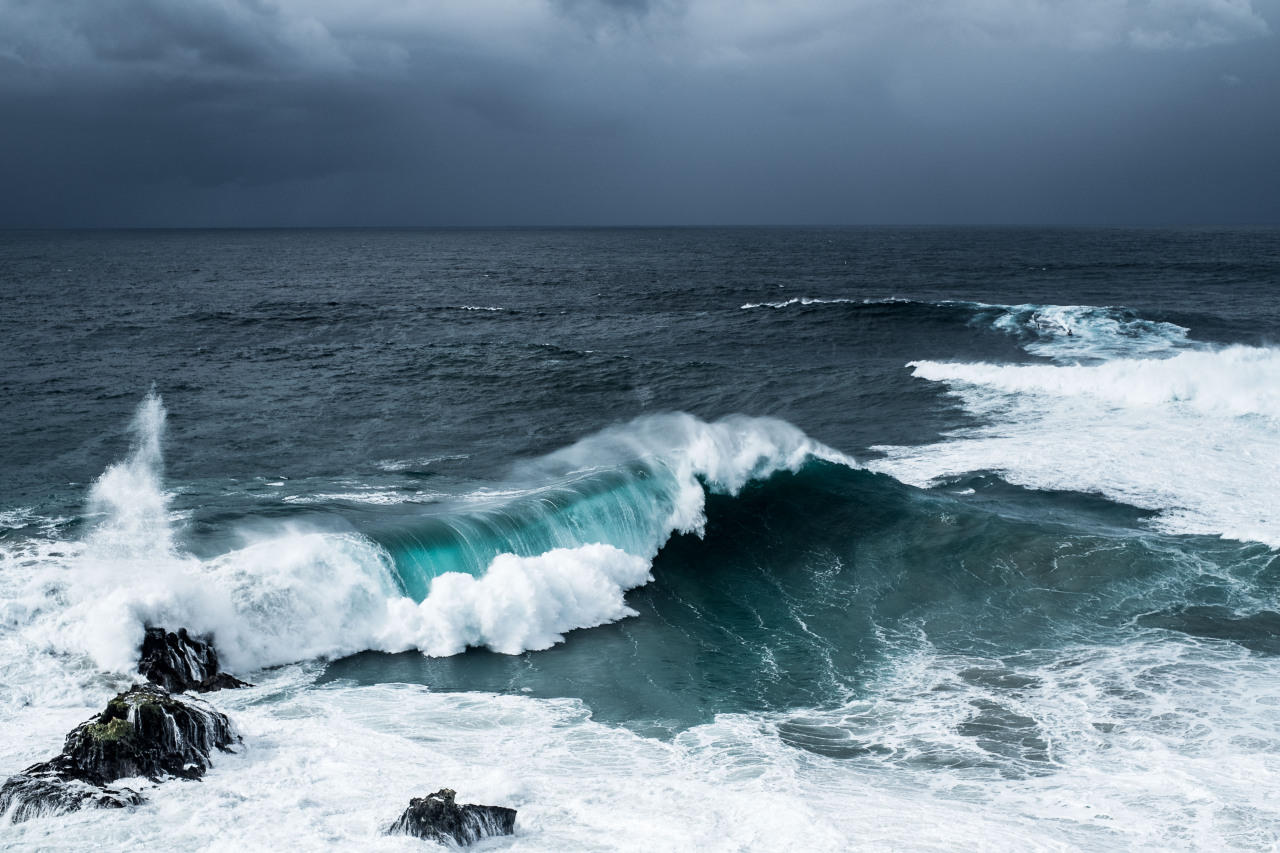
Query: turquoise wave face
[(631, 509), (630, 487), (809, 588)]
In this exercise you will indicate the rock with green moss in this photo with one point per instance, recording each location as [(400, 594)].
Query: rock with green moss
[(144, 731), (148, 732)]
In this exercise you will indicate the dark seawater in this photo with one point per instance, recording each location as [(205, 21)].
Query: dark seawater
[(932, 538)]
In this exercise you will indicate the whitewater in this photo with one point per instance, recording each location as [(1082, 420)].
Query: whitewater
[(871, 565)]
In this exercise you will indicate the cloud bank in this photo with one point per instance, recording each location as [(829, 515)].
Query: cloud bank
[(213, 112)]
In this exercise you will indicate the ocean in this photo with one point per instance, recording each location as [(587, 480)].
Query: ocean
[(828, 539)]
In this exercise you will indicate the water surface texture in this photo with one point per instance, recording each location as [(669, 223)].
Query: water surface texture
[(695, 539)]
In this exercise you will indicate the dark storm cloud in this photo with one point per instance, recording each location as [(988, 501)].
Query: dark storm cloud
[(224, 112)]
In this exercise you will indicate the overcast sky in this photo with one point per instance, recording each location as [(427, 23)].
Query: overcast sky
[(622, 112)]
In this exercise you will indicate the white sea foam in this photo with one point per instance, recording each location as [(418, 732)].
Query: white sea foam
[(519, 603), (1222, 383), (16, 519), (394, 465), (1151, 747), (1133, 411)]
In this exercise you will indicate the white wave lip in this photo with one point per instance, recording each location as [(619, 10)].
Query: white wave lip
[(1195, 436), (722, 457), (303, 594), (519, 603)]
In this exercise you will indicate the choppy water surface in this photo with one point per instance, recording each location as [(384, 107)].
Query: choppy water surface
[(731, 540)]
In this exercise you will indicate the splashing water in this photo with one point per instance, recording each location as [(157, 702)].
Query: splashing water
[(129, 496)]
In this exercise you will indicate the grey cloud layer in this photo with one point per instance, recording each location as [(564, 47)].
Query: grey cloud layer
[(585, 111)]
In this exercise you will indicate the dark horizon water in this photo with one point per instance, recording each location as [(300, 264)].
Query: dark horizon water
[(935, 537)]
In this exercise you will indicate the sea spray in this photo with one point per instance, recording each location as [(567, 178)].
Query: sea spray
[(128, 500)]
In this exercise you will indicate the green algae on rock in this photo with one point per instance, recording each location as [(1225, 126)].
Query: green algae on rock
[(144, 731)]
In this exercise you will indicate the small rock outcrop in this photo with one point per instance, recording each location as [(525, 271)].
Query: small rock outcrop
[(40, 790), (143, 732), (436, 817), (179, 662)]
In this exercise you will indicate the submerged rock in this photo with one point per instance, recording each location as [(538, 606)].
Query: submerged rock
[(143, 732), (437, 817), (179, 662)]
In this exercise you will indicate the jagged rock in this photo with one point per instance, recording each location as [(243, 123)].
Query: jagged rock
[(40, 791), (143, 732), (437, 817), (179, 662), (148, 732)]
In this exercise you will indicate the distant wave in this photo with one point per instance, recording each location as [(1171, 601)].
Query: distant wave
[(1079, 332), (1086, 332), (802, 300)]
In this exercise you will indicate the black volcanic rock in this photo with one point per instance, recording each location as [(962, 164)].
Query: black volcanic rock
[(436, 817), (148, 732), (40, 790), (179, 662), (143, 732)]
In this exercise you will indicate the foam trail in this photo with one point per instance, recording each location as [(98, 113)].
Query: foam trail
[(799, 300)]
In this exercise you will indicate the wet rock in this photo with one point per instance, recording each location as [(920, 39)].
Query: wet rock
[(144, 731), (179, 662), (40, 791), (436, 817), (148, 732)]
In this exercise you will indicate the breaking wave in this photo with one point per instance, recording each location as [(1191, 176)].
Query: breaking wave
[(510, 569)]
